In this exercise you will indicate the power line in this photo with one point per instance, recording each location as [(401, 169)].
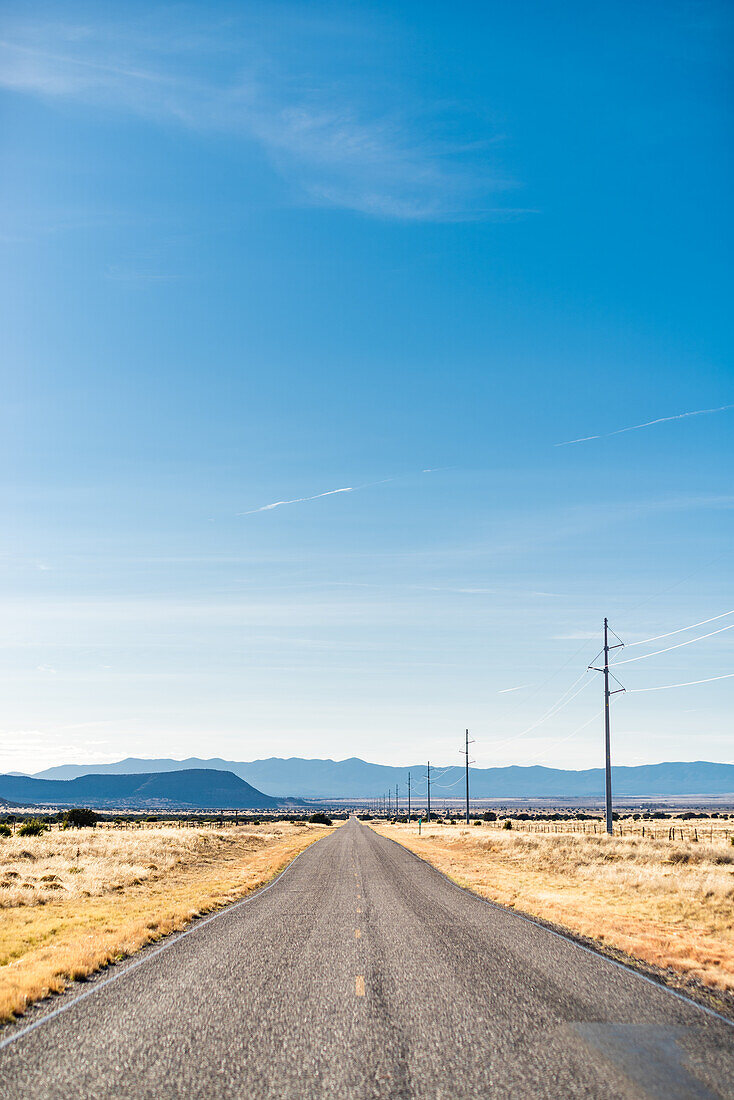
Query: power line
[(607, 736), (466, 753), (679, 645), (689, 683), (676, 584), (428, 808), (557, 707), (680, 629), (567, 737), (548, 679), (448, 786)]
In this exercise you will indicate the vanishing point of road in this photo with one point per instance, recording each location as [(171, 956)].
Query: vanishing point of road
[(364, 973)]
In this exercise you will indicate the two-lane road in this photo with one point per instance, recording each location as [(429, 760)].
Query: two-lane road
[(364, 973)]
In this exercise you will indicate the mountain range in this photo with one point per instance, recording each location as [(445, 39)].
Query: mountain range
[(181, 789), (355, 778)]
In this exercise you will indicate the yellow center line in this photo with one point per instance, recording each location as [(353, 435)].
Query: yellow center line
[(357, 933), (359, 983), (359, 910)]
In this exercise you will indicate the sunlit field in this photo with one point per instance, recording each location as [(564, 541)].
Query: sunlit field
[(666, 901), (74, 900)]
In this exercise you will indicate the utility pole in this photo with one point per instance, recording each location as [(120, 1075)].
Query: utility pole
[(408, 797), (607, 739), (389, 803), (397, 802), (466, 751), (428, 777)]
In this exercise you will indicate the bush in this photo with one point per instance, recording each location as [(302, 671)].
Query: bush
[(34, 827), (507, 824), (79, 818), (320, 819), (5, 830), (489, 815)]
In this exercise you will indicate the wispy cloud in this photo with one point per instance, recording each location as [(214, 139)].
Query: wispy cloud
[(297, 500), (647, 424), (335, 137), (333, 492)]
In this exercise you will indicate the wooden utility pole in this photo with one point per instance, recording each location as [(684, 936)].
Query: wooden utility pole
[(607, 737), (428, 777), (466, 751), (408, 796)]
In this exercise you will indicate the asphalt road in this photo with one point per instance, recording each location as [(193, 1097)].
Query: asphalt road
[(362, 972)]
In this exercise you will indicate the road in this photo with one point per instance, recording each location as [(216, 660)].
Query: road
[(364, 973)]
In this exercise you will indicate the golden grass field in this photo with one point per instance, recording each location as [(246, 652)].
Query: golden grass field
[(74, 901), (669, 903)]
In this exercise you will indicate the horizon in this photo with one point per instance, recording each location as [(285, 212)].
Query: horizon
[(372, 763), (359, 363)]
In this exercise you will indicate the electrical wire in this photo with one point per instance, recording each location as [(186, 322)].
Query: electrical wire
[(551, 713), (564, 739), (690, 641), (688, 683), (676, 584), (447, 786), (680, 630), (537, 687)]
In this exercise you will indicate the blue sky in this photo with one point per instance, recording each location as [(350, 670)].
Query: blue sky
[(258, 253)]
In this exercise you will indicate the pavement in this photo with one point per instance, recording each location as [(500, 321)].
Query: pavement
[(362, 972)]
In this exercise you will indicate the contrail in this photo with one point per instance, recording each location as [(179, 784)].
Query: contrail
[(647, 424), (298, 500), (333, 492)]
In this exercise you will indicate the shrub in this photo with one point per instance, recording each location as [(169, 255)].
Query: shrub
[(79, 818), (5, 830), (489, 815), (507, 824), (34, 827), (320, 819)]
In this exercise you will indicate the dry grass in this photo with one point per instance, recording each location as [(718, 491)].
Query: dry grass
[(668, 903), (72, 902)]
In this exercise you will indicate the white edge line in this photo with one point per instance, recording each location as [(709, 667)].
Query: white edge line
[(567, 938), (170, 941)]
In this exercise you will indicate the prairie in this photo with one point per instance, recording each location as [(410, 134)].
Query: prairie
[(668, 903), (76, 900)]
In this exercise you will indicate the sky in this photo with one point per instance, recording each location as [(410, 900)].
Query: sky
[(302, 308)]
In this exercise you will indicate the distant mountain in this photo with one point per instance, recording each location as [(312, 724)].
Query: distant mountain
[(355, 778), (190, 788)]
